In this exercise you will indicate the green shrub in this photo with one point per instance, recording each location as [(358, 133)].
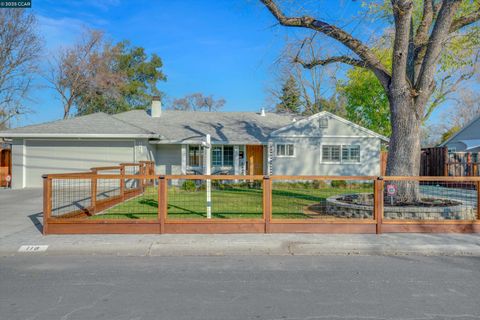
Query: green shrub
[(189, 185), (338, 184), (319, 184)]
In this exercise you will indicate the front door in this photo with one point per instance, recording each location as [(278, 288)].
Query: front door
[(255, 160)]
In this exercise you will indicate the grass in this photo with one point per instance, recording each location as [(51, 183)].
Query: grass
[(289, 201)]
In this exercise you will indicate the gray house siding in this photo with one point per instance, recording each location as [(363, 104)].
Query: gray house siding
[(33, 158), (168, 159), (308, 152), (308, 136)]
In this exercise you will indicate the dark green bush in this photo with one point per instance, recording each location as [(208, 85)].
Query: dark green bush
[(338, 184)]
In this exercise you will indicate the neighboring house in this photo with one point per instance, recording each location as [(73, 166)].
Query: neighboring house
[(242, 143), (465, 140)]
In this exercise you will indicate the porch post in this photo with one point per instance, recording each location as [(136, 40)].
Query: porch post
[(236, 161), (184, 159)]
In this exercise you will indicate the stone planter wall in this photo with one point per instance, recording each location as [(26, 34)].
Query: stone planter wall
[(338, 208)]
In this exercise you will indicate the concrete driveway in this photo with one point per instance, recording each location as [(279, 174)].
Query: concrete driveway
[(20, 212)]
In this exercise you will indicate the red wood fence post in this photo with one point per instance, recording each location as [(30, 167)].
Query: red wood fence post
[(267, 202), (93, 189), (378, 204), (122, 181), (47, 202), (478, 200), (162, 202)]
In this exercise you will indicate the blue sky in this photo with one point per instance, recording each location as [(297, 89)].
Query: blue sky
[(224, 48)]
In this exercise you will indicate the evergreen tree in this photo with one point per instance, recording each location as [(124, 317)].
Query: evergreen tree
[(290, 101)]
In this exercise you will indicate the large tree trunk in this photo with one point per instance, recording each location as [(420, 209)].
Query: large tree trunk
[(404, 149)]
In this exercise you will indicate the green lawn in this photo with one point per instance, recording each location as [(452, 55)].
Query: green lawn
[(290, 201)]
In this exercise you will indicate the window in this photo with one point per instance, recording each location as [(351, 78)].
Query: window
[(345, 153), (217, 156), (222, 156), (228, 155), (331, 153), (351, 153), (195, 156), (285, 150)]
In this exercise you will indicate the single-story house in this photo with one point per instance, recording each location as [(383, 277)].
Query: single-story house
[(466, 139), (242, 143)]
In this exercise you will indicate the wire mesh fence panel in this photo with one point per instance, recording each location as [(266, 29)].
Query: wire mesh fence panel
[(133, 170), (322, 199), (108, 189), (229, 199), (141, 203), (71, 198), (430, 200)]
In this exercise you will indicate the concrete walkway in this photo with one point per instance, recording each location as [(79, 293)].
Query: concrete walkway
[(20, 224)]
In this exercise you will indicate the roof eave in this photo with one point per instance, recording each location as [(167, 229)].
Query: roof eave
[(76, 135)]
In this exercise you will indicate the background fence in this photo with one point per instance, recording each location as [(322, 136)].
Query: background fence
[(130, 199)]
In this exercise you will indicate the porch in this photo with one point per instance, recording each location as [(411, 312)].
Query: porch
[(224, 159)]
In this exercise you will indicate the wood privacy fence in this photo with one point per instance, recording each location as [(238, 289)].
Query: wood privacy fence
[(440, 162), (97, 202)]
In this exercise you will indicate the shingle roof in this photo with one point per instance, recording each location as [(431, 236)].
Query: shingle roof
[(94, 124), (172, 126), (180, 126)]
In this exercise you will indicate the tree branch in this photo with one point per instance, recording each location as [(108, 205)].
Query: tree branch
[(322, 62), (425, 83), (465, 20), (336, 33)]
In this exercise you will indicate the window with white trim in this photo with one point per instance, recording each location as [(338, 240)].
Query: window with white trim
[(341, 154), (285, 150), (330, 153), (222, 156)]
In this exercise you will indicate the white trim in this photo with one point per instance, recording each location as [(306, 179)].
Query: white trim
[(331, 115), (285, 144)]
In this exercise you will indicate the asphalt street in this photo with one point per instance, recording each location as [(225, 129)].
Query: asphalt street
[(36, 287)]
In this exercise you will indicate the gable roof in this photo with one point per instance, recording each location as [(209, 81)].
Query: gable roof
[(331, 115), (174, 126), (477, 118)]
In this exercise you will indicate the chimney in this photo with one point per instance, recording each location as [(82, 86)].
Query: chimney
[(156, 108), (262, 112)]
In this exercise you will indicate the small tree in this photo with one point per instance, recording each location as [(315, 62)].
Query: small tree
[(290, 98)]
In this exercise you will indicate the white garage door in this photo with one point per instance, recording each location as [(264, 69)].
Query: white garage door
[(63, 156)]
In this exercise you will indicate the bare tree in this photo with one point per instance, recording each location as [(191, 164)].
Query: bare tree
[(19, 51), (72, 70), (410, 82), (198, 102)]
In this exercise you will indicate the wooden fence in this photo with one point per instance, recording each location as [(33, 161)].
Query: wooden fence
[(5, 166), (251, 204)]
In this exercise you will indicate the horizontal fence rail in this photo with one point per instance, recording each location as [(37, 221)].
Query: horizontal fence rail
[(130, 198)]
